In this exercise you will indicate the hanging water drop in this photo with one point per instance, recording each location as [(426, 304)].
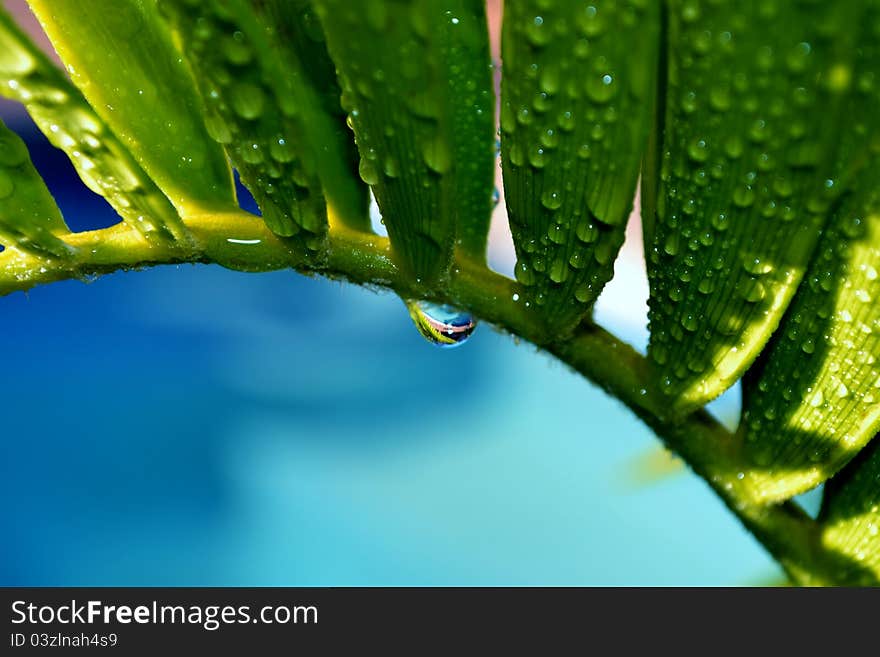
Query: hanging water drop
[(440, 324)]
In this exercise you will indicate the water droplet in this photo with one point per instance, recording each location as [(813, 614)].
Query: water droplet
[(559, 271), (368, 172), (247, 100), (798, 57), (755, 265), (566, 121), (440, 324), (577, 260), (551, 199), (524, 273), (549, 138), (436, 154), (720, 221), (706, 286), (759, 132), (549, 79), (690, 322), (251, 153), (697, 150), (601, 88), (236, 49), (584, 293), (589, 21), (719, 99), (733, 147), (853, 227), (541, 103), (586, 231), (537, 157), (557, 234), (753, 291), (537, 32), (389, 166), (743, 196), (689, 102)]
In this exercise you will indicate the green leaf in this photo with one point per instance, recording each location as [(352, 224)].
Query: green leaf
[(300, 46), (751, 115), (67, 120), (850, 518), (248, 104), (274, 118), (425, 148), (29, 219), (577, 95), (472, 117), (121, 56), (813, 399)]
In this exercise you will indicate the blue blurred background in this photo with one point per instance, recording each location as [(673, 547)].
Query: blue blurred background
[(196, 426)]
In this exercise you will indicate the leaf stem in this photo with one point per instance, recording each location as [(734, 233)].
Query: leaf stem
[(241, 241)]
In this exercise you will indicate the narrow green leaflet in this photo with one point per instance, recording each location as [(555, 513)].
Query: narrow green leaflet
[(299, 41), (473, 124), (850, 518), (67, 120), (813, 399), (577, 95), (245, 112), (120, 55), (752, 107), (426, 148), (29, 218), (271, 112)]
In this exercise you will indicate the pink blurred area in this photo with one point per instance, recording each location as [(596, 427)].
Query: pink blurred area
[(25, 19)]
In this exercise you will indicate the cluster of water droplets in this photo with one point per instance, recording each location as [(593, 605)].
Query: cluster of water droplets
[(812, 407), (567, 125), (255, 117), (742, 199), (395, 102)]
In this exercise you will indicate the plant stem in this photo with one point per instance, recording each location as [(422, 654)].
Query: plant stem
[(241, 241)]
